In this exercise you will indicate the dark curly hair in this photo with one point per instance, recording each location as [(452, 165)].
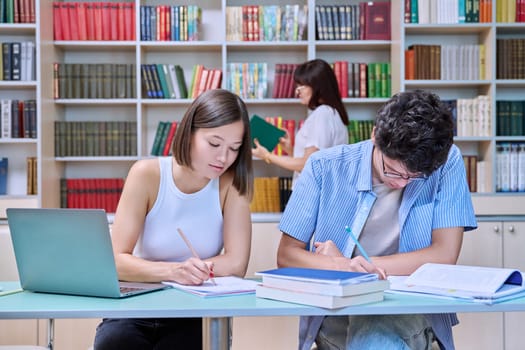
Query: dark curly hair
[(415, 128)]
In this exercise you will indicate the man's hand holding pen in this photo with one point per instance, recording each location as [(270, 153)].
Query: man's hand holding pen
[(358, 264)]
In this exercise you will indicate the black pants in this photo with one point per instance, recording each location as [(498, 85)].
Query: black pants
[(149, 333)]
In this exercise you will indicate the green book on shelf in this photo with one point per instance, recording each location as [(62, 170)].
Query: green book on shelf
[(267, 134)]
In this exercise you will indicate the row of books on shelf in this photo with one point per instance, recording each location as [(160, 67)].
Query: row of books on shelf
[(31, 172), (167, 81), (93, 20), (95, 139), (445, 62), (266, 22), (510, 118), (91, 193), (510, 58), (18, 119), (510, 167), (364, 21), (359, 130), (17, 11), (170, 23), (17, 61), (163, 138), (271, 194), (93, 80), (510, 11), (248, 80), (472, 116), (471, 170), (448, 12), (329, 289)]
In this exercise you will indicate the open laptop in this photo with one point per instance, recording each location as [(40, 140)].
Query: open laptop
[(68, 251)]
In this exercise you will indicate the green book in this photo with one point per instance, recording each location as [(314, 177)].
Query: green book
[(267, 134)]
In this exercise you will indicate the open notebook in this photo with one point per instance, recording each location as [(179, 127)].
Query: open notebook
[(68, 251)]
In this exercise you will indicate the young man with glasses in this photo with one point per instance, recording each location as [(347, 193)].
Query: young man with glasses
[(404, 194)]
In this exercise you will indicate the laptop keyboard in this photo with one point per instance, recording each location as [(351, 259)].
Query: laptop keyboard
[(125, 290)]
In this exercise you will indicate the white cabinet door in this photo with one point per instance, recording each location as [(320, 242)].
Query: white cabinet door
[(481, 331), (514, 257)]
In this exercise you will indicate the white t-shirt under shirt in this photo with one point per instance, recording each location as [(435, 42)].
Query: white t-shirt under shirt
[(199, 215), (323, 128)]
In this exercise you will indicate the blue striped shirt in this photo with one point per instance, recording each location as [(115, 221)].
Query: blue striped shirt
[(335, 190)]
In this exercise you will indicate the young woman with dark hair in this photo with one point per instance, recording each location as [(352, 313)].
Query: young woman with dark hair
[(325, 126)]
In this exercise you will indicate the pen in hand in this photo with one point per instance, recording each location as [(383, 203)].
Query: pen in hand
[(194, 253), (359, 246)]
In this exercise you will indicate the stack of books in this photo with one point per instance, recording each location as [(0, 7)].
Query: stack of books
[(323, 288)]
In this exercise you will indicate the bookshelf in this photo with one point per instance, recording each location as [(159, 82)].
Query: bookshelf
[(213, 50), (24, 88)]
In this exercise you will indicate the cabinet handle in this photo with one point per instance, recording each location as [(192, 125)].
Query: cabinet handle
[(511, 228), (496, 229)]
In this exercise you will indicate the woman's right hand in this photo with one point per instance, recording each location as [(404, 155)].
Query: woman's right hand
[(193, 271)]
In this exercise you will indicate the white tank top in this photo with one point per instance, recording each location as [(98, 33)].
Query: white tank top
[(198, 215)]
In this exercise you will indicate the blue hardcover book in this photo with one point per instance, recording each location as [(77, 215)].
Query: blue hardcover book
[(3, 175), (318, 275)]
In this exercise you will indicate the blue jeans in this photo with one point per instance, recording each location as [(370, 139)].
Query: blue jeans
[(149, 333), (399, 332)]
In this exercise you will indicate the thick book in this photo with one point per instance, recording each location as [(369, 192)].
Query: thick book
[(474, 283), (377, 21), (267, 134), (330, 277), (320, 300), (343, 289), (224, 286)]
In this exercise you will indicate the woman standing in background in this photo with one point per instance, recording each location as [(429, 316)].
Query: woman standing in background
[(325, 126)]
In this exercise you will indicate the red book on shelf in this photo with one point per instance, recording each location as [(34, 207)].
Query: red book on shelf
[(338, 74), (290, 92), (32, 16), (202, 82), (82, 21), (16, 11), (57, 21), (285, 81), (410, 64), (97, 9), (171, 134), (106, 21), (73, 20), (90, 20), (25, 12), (377, 21), (129, 18), (217, 79), (113, 20), (289, 126), (288, 83), (64, 20), (121, 31), (276, 80), (344, 79)]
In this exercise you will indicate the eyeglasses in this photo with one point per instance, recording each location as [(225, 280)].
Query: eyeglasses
[(299, 87), (400, 176)]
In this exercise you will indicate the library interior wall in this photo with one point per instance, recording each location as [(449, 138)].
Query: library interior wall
[(217, 53)]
